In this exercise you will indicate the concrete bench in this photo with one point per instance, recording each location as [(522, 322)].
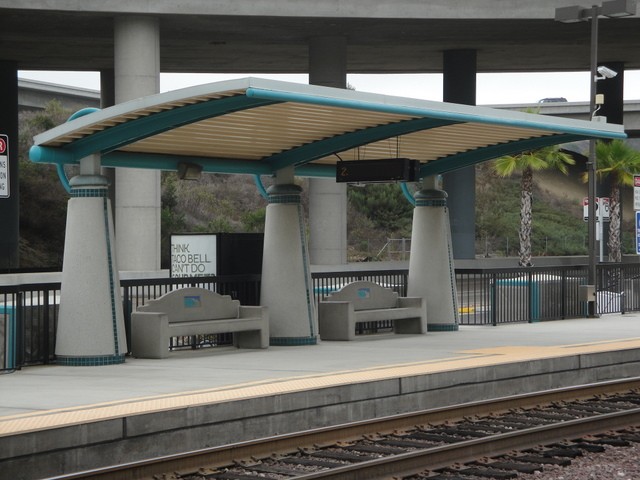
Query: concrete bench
[(195, 311), (363, 301)]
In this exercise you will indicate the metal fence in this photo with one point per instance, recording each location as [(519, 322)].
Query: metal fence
[(28, 322), (508, 295), (492, 296)]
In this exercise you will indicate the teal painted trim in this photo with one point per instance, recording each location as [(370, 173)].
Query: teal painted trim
[(293, 199), (64, 180), (308, 283), (311, 170), (89, 193), (260, 187), (292, 341), (82, 112), (111, 270), (38, 154), (475, 114), (95, 361), (170, 163), (9, 313), (442, 327), (143, 127), (407, 194), (322, 148), (430, 202), (534, 287), (466, 159)]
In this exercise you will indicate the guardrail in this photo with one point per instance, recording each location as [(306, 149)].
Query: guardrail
[(492, 296)]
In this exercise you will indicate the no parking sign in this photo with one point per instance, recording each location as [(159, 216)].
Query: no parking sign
[(4, 166)]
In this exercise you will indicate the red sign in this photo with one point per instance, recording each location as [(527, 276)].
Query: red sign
[(636, 180), (3, 145)]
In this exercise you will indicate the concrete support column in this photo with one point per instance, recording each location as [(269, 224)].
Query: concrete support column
[(459, 69), (137, 74), (328, 199), (9, 194), (91, 320), (108, 99), (431, 269), (287, 289)]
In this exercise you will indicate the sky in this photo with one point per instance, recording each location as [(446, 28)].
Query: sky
[(491, 89)]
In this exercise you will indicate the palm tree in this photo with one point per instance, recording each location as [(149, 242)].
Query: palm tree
[(619, 162), (527, 163)]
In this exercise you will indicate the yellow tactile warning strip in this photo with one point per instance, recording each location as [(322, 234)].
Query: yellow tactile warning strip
[(29, 422)]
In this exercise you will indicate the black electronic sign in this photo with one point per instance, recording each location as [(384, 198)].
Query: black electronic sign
[(378, 171)]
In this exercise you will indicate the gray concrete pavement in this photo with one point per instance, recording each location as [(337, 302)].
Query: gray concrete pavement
[(42, 388)]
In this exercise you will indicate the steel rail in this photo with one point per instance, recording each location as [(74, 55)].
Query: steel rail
[(466, 451), (285, 443)]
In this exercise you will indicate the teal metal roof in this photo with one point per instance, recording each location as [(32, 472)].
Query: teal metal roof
[(257, 126)]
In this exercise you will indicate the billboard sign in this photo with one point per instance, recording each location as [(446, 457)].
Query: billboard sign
[(193, 255)]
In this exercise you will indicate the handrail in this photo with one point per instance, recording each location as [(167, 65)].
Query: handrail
[(487, 296)]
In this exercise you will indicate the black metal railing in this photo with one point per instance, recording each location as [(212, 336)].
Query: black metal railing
[(28, 322), (492, 296), (508, 295)]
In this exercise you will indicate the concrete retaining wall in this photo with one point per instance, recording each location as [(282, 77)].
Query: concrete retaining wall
[(82, 447)]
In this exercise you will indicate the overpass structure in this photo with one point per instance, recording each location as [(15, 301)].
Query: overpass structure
[(130, 43)]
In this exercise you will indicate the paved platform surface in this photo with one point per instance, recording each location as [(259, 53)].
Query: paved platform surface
[(49, 396)]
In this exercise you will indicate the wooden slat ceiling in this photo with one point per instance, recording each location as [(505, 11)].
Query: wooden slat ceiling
[(274, 124)]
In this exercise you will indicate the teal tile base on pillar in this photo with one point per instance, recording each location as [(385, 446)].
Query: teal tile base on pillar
[(89, 361), (292, 341), (442, 327)]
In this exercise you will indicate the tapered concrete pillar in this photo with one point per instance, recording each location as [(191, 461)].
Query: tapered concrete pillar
[(287, 289), (91, 320), (137, 74), (328, 199), (431, 269)]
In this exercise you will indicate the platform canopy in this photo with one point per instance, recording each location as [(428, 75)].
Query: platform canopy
[(257, 126)]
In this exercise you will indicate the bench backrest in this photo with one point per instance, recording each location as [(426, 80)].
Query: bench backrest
[(366, 296), (189, 304)]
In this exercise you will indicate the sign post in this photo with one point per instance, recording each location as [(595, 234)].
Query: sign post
[(4, 166), (602, 215), (637, 232), (636, 207)]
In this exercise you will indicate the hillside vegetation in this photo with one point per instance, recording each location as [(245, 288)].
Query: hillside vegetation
[(232, 203)]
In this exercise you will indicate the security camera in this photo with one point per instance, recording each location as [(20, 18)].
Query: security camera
[(605, 73)]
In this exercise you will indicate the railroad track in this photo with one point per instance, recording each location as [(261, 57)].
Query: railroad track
[(431, 444)]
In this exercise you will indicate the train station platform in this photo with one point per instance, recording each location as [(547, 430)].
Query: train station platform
[(58, 419)]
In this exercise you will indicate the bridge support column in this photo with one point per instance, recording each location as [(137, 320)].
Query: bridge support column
[(328, 199), (287, 289), (137, 203), (91, 320), (431, 269), (459, 76)]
